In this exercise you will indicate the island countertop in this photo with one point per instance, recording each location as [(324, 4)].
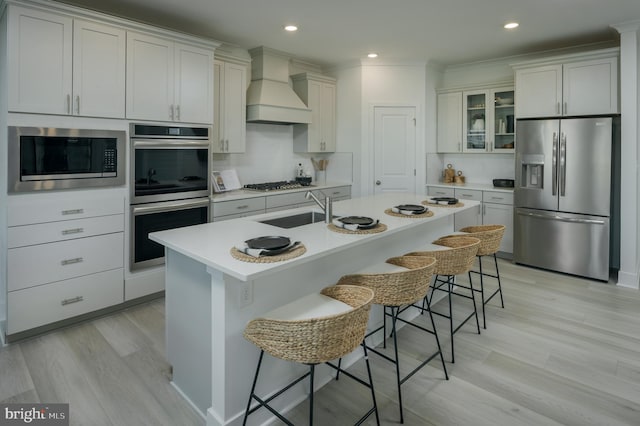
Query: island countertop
[(211, 243)]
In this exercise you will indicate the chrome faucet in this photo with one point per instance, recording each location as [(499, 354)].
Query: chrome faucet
[(327, 207)]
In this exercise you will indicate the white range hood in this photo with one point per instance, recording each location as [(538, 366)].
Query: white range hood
[(270, 99)]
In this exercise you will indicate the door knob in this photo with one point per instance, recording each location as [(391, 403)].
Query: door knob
[(378, 182)]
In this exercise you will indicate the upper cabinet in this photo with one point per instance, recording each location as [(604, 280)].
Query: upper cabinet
[(318, 92), (230, 107), (584, 84), (61, 65), (479, 120), (168, 81)]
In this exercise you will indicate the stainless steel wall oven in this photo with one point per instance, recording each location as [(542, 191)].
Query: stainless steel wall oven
[(169, 185), (43, 158)]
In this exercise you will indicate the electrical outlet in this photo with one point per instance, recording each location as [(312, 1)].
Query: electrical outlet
[(246, 294)]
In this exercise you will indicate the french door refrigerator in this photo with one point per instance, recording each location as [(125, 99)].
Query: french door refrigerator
[(562, 195)]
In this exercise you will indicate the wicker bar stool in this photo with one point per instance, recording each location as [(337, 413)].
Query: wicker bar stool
[(397, 291), (490, 237), (312, 330), (456, 260)]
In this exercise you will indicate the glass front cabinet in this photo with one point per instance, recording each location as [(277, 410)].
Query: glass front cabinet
[(488, 120)]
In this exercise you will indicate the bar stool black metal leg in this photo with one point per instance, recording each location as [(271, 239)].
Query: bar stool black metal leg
[(312, 371), (394, 313), (435, 333), (373, 393), (253, 389), (484, 318), (495, 259), (450, 288), (473, 299)]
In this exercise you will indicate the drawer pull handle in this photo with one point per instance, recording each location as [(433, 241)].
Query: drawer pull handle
[(336, 193), (497, 198), (72, 300), (467, 195), (71, 261), (242, 207), (72, 211), (73, 231)]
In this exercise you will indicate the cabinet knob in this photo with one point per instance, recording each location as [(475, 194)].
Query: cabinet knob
[(378, 183)]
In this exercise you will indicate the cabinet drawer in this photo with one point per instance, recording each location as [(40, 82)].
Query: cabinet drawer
[(468, 194), (44, 263), (26, 210), (342, 192), (28, 235), (224, 208), (290, 199), (436, 191), (497, 197), (36, 306)]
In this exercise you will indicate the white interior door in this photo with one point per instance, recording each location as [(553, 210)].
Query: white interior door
[(394, 149)]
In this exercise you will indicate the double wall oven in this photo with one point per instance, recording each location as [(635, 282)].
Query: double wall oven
[(170, 185)]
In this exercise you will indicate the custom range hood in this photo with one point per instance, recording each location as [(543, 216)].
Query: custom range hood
[(270, 99)]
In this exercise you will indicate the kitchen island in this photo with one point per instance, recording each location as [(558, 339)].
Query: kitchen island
[(210, 296)]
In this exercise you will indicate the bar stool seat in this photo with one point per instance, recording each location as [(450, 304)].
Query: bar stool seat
[(490, 237), (455, 258), (312, 330), (398, 284)]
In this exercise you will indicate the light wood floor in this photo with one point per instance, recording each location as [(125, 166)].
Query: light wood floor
[(562, 351)]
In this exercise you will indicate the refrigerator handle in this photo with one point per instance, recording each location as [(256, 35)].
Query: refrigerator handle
[(562, 218), (554, 165), (563, 163)]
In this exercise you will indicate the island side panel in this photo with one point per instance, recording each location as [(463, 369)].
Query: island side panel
[(188, 327)]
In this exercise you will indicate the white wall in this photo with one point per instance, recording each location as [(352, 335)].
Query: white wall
[(391, 85)]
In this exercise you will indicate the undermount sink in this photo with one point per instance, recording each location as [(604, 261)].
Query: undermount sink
[(296, 220)]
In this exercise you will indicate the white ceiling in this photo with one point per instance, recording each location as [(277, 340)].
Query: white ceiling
[(334, 32)]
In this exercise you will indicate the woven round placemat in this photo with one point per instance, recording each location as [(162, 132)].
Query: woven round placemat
[(380, 227), (298, 251), (390, 212), (427, 203)]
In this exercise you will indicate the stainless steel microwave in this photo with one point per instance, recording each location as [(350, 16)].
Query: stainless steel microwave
[(43, 158)]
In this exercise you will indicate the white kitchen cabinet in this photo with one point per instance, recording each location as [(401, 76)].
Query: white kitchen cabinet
[(62, 65), (497, 209), (230, 107), (318, 92), (477, 120), (449, 122), (77, 244), (585, 84), (168, 81)]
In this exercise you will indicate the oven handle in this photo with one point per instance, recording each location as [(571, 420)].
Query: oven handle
[(170, 206), (171, 143)]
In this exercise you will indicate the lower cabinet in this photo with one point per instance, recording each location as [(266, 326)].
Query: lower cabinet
[(234, 209), (496, 208), (65, 257)]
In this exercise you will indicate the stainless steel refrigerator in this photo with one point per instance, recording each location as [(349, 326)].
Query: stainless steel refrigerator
[(562, 195)]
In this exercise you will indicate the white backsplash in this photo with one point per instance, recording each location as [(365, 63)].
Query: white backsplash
[(269, 157), (476, 168)]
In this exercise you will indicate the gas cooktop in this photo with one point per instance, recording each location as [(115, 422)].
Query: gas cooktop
[(275, 186)]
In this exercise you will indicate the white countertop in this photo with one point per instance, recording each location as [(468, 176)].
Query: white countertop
[(240, 194), (210, 243), (476, 186)]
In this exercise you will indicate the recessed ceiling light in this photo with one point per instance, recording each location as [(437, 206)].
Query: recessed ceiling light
[(372, 55), (290, 28), (511, 25)]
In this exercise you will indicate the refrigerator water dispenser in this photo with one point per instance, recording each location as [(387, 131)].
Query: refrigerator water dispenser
[(532, 171)]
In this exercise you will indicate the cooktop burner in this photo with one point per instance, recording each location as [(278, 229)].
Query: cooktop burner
[(275, 186)]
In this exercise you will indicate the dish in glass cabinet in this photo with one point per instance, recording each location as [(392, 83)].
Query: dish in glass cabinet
[(268, 243)]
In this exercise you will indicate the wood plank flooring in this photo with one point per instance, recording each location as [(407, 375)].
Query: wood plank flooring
[(563, 351)]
